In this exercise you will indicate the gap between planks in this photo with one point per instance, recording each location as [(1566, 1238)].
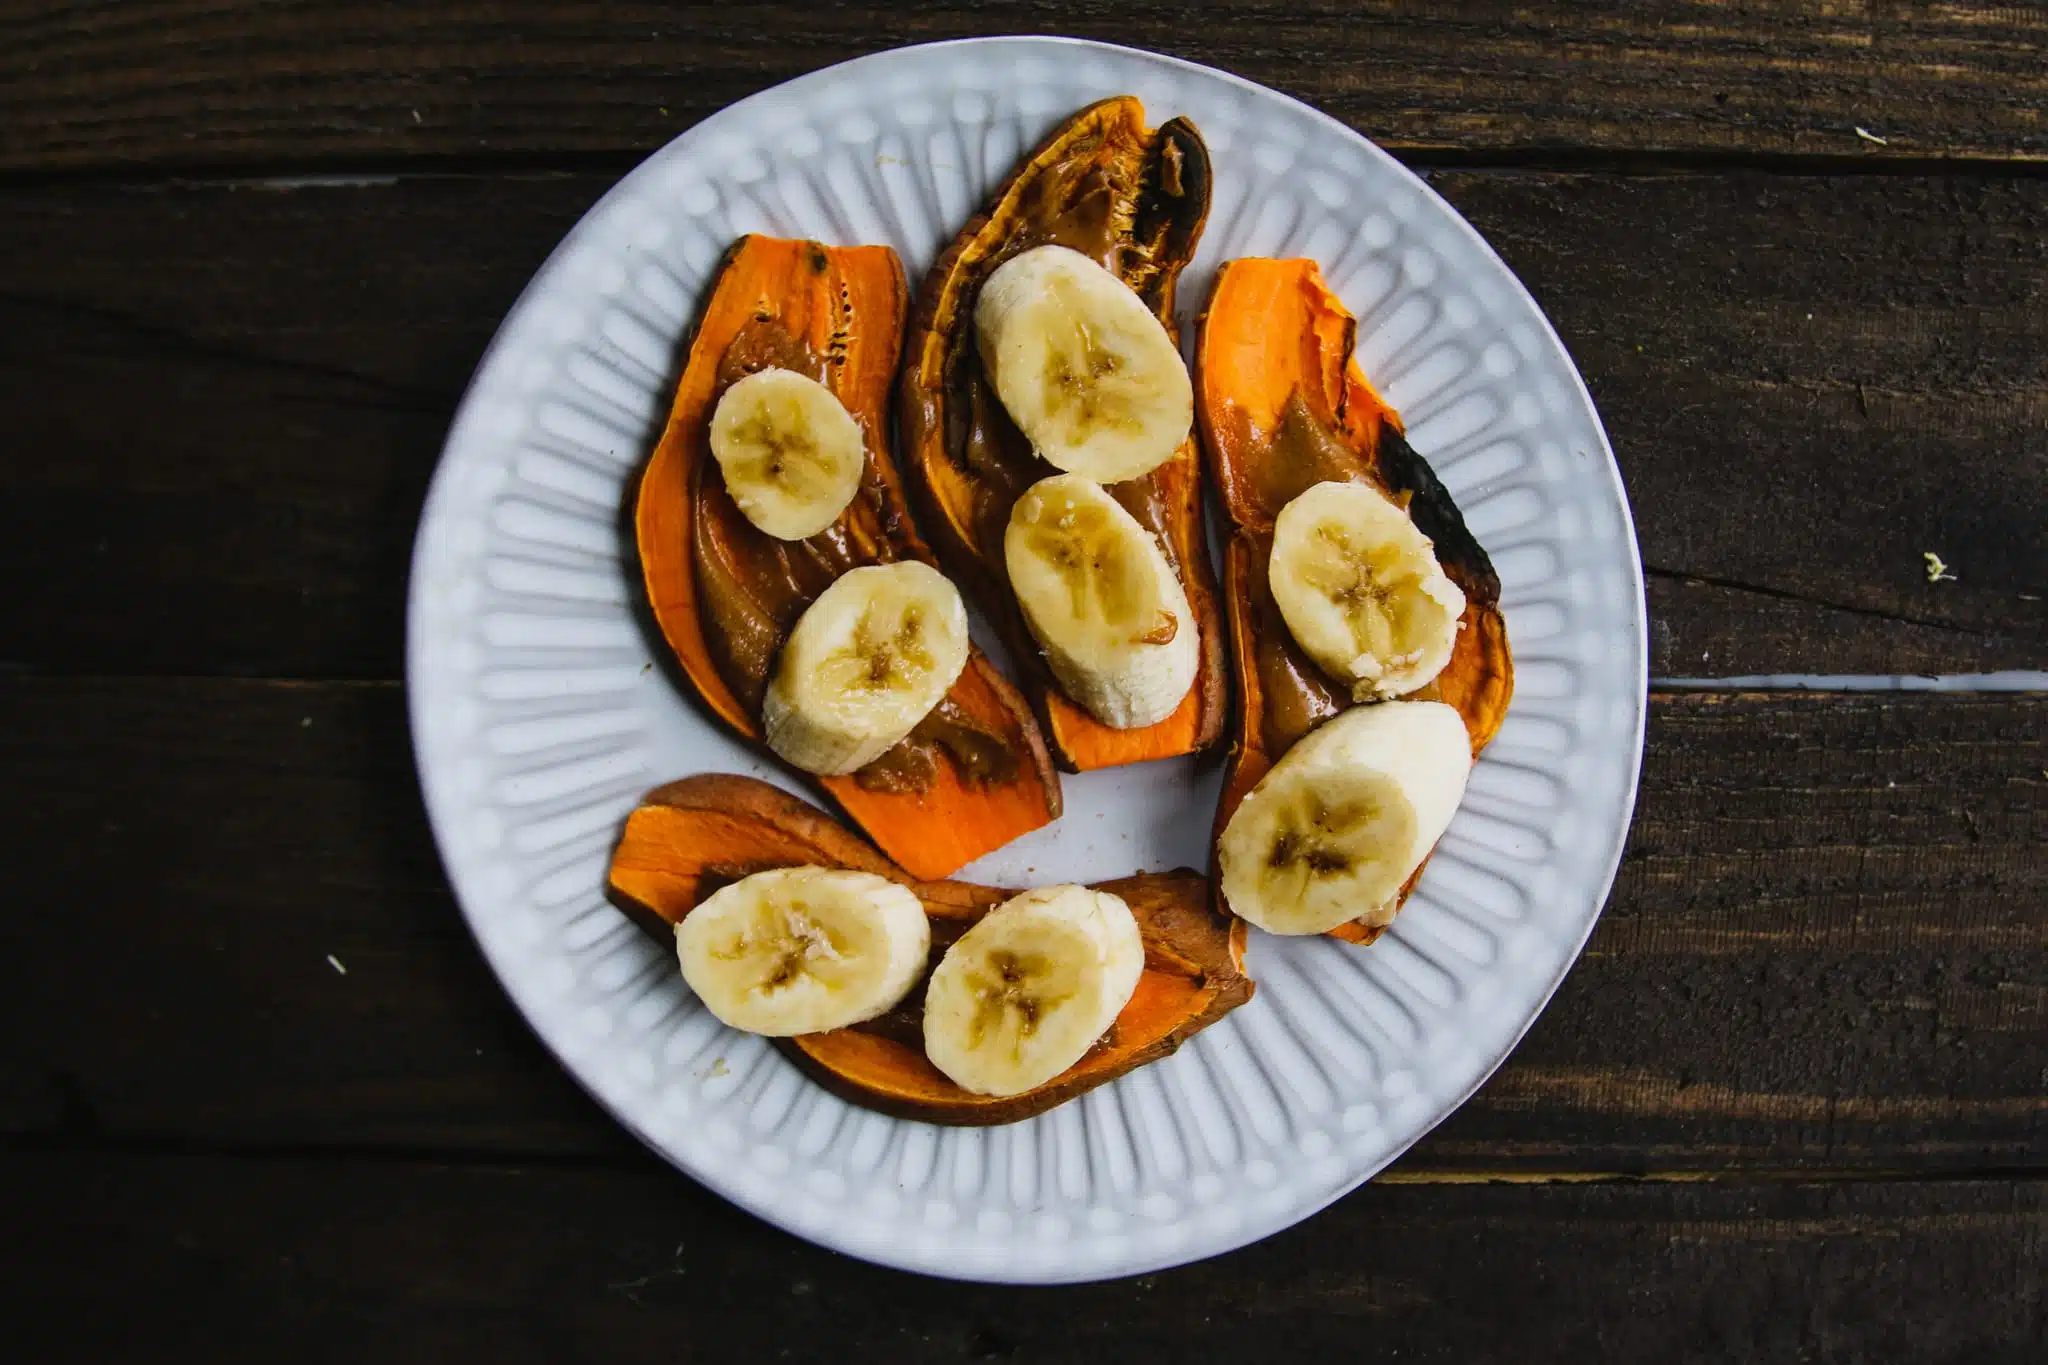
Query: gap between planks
[(297, 175), (45, 1144), (2009, 681)]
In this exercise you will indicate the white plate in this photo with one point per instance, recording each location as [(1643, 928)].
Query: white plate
[(539, 717)]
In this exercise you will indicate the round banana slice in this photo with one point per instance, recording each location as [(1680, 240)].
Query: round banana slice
[(1082, 366), (804, 949), (1027, 991), (1361, 590), (1335, 830), (1102, 602), (791, 453), (867, 661)]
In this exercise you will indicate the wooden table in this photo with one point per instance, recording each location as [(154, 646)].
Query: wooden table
[(264, 1101)]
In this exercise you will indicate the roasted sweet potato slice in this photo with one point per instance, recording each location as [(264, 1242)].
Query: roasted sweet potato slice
[(1134, 199), (692, 837), (1282, 405), (976, 773)]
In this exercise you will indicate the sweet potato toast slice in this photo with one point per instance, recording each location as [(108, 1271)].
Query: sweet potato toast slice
[(692, 837), (975, 774), (1282, 405), (1134, 199)]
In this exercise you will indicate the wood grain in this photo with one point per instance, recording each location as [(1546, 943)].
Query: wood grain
[(225, 407), (1809, 383), (1827, 950), (1828, 940), (351, 1260), (261, 1097), (223, 841), (227, 401), (193, 83)]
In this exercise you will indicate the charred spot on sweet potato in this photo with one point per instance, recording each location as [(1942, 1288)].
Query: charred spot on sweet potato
[(1437, 516), (691, 837)]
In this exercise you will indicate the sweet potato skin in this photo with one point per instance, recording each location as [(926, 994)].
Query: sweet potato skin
[(1282, 404), (691, 837), (1135, 199), (839, 313)]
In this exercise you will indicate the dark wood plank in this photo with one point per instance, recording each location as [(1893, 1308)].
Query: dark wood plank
[(1828, 947), (221, 1260), (226, 402), (252, 831), (192, 83), (226, 410), (1710, 629), (1810, 382)]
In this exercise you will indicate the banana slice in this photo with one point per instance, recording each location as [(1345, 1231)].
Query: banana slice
[(1102, 602), (1335, 830), (1081, 364), (791, 453), (1361, 590), (1027, 991), (804, 949), (867, 661)]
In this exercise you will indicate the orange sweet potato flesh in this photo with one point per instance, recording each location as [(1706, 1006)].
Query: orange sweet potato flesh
[(1282, 405), (726, 594), (692, 837), (1134, 199)]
